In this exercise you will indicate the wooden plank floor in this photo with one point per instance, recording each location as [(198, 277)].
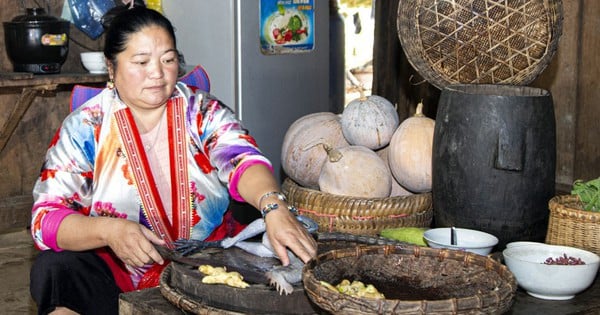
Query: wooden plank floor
[(16, 256)]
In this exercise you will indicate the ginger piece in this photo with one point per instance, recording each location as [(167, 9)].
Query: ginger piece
[(219, 275), (355, 289)]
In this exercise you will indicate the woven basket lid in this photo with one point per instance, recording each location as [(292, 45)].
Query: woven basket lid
[(479, 41)]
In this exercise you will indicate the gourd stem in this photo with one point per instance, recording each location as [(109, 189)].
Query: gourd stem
[(333, 154), (314, 144), (361, 90), (419, 110)]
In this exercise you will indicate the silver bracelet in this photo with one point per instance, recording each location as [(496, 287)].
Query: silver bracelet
[(279, 195), (273, 206)]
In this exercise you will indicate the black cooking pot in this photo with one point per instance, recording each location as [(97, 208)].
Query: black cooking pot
[(37, 42)]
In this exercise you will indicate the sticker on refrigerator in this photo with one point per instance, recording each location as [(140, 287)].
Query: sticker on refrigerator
[(286, 26)]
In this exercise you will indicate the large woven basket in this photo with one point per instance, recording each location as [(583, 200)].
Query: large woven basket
[(479, 42), (414, 280), (570, 225), (361, 216)]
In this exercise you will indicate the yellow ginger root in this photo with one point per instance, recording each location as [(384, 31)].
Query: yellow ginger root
[(355, 289), (219, 275)]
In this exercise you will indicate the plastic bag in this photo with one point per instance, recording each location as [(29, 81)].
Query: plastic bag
[(87, 15)]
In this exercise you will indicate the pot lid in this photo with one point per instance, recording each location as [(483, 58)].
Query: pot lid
[(34, 15)]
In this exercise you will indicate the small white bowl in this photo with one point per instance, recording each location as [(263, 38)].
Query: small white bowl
[(93, 61), (550, 282), (474, 241)]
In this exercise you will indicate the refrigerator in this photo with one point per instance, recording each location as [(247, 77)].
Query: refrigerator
[(267, 76)]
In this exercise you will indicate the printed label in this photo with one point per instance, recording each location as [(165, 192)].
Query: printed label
[(286, 26), (54, 39)]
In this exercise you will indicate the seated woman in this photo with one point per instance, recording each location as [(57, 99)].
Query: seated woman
[(147, 161)]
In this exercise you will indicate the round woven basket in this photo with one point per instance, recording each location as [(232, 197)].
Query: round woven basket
[(570, 225), (414, 280), (361, 216), (479, 42)]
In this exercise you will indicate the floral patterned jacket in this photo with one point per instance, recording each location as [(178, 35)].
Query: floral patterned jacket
[(86, 169)]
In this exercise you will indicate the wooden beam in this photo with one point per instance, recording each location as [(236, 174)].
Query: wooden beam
[(27, 96)]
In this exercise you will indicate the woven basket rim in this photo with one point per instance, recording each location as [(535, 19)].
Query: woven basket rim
[(505, 292), (442, 73), (564, 205), (353, 203), (359, 215)]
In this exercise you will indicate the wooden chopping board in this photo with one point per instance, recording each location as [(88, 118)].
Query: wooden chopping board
[(186, 281)]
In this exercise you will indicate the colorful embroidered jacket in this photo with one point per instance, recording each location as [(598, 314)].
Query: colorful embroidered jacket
[(92, 168)]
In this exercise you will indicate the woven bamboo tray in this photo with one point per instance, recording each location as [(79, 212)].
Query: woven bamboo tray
[(361, 216), (569, 225), (479, 42), (414, 280)]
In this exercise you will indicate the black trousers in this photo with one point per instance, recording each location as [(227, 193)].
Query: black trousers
[(80, 281)]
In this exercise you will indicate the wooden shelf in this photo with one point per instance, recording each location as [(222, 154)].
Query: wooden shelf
[(31, 86), (24, 79)]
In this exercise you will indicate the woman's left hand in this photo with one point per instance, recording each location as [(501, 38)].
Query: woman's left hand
[(285, 232)]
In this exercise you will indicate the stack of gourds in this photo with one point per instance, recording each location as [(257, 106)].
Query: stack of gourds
[(364, 153)]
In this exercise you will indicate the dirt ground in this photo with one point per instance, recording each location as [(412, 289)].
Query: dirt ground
[(16, 255)]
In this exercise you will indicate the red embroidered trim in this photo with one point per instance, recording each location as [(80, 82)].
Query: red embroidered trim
[(181, 194), (143, 177)]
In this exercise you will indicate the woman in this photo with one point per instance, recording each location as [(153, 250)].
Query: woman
[(147, 161)]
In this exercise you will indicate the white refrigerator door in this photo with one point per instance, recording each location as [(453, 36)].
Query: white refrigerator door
[(267, 92)]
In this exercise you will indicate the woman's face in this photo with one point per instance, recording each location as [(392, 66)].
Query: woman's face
[(146, 71)]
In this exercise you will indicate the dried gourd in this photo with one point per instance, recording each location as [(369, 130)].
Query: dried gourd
[(302, 153), (355, 171), (397, 189), (369, 121), (411, 152)]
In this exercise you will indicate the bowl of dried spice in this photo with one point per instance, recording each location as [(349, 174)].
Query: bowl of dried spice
[(551, 272)]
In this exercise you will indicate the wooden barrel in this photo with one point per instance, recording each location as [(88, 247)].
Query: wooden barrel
[(494, 160)]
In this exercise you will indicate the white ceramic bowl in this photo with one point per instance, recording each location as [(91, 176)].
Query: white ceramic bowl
[(474, 241), (94, 62), (550, 282)]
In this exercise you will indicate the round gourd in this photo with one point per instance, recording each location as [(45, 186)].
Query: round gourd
[(302, 153), (355, 171), (397, 189), (411, 150), (369, 121)]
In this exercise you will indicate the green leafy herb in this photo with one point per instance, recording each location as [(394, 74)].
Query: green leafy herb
[(589, 193), (295, 23)]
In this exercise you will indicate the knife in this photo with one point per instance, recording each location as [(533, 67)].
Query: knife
[(233, 260)]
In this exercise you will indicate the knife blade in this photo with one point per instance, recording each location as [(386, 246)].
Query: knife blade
[(251, 273)]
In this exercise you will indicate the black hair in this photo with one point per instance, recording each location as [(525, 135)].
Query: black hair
[(121, 22)]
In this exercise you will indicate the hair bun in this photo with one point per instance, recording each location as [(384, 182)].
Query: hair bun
[(110, 15)]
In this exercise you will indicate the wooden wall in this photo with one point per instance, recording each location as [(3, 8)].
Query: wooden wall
[(572, 77), (21, 159)]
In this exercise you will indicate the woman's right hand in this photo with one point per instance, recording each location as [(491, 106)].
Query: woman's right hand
[(133, 243)]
